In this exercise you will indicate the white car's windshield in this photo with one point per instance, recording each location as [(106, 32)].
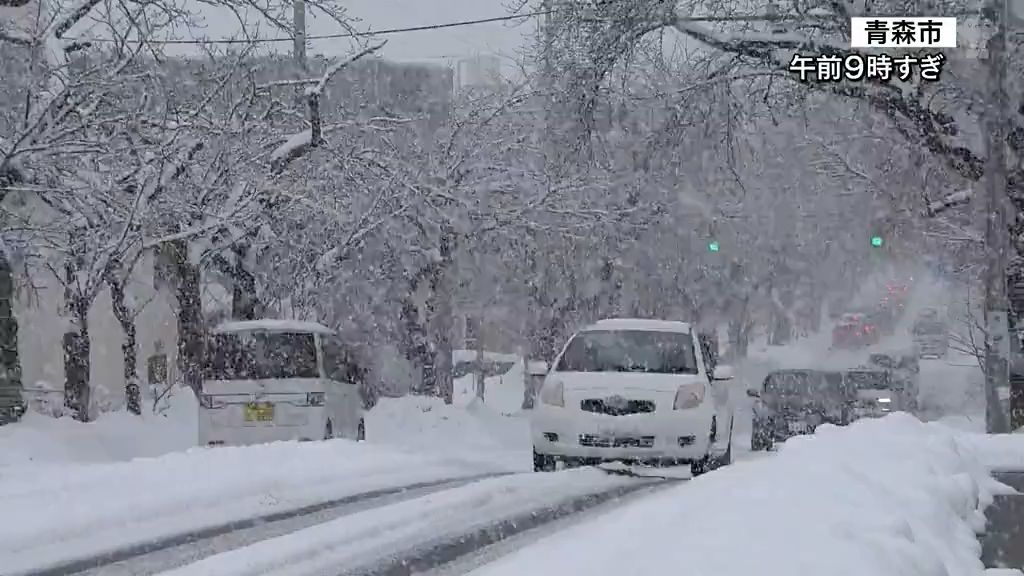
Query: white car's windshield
[(630, 351), (260, 355)]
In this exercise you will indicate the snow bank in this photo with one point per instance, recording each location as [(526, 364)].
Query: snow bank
[(114, 436), (503, 394), (997, 451), (890, 496), (473, 433), (87, 509)]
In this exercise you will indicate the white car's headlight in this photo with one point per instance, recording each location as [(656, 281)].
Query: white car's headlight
[(885, 400), (553, 394), (689, 396)]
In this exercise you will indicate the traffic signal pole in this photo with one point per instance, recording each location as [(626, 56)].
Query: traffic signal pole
[(997, 341)]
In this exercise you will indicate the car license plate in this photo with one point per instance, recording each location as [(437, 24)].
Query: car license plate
[(797, 427), (259, 412)]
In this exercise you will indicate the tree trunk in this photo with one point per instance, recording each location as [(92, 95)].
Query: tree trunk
[(10, 364), (129, 348), (243, 286), (739, 339), (190, 315), (77, 349), (415, 347), (440, 316)]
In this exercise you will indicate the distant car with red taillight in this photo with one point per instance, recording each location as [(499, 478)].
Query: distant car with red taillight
[(855, 330)]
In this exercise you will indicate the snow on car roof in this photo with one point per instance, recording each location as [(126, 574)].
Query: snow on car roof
[(639, 324), (268, 325)]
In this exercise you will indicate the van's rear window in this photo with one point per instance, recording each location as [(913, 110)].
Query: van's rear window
[(260, 355)]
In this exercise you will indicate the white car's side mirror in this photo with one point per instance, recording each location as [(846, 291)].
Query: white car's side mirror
[(753, 393), (722, 373), (537, 368)]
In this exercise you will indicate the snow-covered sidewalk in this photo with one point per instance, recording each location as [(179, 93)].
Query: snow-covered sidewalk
[(892, 496), (83, 510)]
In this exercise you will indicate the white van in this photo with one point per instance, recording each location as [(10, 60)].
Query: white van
[(271, 380)]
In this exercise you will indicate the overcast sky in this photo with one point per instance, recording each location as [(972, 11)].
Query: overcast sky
[(506, 39)]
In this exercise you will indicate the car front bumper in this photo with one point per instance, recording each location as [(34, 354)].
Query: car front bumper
[(676, 436)]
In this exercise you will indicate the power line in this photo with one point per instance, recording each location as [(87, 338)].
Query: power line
[(383, 32), (461, 23), (427, 27)]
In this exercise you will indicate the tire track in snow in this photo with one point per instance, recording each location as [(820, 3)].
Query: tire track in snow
[(416, 534), (174, 551), (523, 536)]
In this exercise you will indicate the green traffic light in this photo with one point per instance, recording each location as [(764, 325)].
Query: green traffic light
[(713, 246), (877, 241)]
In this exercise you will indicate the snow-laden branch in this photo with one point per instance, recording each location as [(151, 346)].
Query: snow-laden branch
[(949, 201), (66, 21), (333, 70), (297, 144), (908, 106), (16, 39)]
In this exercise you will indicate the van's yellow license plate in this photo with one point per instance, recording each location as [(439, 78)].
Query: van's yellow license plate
[(259, 412)]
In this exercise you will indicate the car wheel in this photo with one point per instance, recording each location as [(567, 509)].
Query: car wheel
[(329, 431), (759, 440), (725, 459), (543, 462), (361, 431), (700, 466)]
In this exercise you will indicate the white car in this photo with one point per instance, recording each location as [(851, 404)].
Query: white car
[(637, 391)]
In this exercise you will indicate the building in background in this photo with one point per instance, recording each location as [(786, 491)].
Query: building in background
[(479, 71)]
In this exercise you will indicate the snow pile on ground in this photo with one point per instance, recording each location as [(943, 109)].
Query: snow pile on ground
[(503, 393), (889, 496), (84, 510), (39, 439), (474, 433), (997, 451)]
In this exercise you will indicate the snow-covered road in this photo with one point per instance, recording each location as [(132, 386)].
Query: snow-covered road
[(63, 517), (887, 491), (359, 543), (891, 496)]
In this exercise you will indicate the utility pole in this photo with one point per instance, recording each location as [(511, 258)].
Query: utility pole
[(481, 372), (997, 342), (299, 33)]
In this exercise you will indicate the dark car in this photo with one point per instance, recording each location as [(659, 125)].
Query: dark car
[(931, 336), (12, 406), (876, 393), (793, 402), (903, 370)]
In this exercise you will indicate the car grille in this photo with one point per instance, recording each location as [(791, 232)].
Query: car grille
[(599, 406), (617, 442)]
